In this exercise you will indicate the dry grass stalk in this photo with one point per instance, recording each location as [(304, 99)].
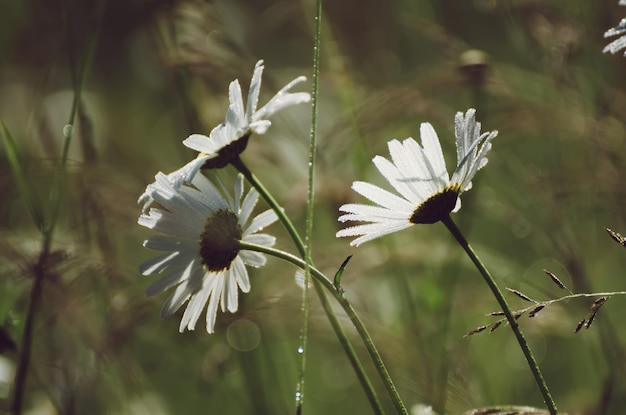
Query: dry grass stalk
[(555, 279), (521, 295)]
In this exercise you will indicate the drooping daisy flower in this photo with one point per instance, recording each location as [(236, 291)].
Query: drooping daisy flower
[(230, 138), (418, 173), (200, 227), (619, 43)]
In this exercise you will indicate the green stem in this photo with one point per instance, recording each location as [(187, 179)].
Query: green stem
[(309, 212), (280, 212), (532, 363), (19, 384), (330, 313), (345, 304), (56, 194)]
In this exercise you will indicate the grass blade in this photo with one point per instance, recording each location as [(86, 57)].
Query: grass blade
[(24, 187)]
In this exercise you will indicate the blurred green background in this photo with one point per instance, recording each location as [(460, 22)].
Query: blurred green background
[(160, 70)]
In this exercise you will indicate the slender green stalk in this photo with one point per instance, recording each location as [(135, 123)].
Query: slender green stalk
[(345, 304), (280, 212), (532, 363), (40, 269), (302, 348), (330, 313)]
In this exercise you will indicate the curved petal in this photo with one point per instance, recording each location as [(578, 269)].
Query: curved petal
[(253, 259), (260, 221), (247, 206), (371, 231), (241, 275), (381, 197), (255, 88), (214, 300)]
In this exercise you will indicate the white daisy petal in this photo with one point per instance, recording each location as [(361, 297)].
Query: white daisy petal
[(283, 101), (411, 190), (191, 282), (371, 231), (236, 100), (418, 173), (214, 300), (241, 273), (239, 194), (415, 170), (261, 221), (158, 264), (253, 259), (190, 263), (231, 290), (373, 213), (248, 204), (260, 239), (381, 196), (255, 88), (183, 175), (166, 282), (619, 43), (198, 142), (196, 305), (432, 151)]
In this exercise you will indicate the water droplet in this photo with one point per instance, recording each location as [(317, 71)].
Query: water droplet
[(300, 349), (67, 130), (298, 396)]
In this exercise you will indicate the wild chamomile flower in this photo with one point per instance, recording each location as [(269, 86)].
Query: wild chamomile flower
[(202, 263), (230, 138), (619, 43), (418, 173)]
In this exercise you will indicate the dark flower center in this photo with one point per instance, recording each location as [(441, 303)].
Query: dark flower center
[(218, 241), (436, 207), (227, 154)]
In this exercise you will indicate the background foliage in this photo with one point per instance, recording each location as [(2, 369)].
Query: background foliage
[(160, 71)]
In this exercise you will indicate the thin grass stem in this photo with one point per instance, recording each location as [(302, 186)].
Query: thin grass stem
[(302, 348), (347, 307), (40, 269)]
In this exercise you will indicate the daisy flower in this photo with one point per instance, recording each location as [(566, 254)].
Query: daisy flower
[(230, 138), (619, 43), (418, 173), (183, 175), (200, 227)]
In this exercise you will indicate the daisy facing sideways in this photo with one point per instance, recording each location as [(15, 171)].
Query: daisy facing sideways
[(418, 173), (230, 138), (200, 227)]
